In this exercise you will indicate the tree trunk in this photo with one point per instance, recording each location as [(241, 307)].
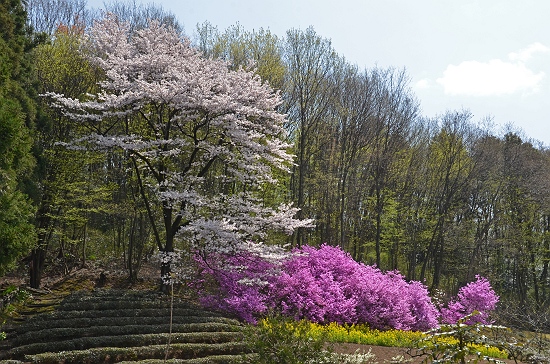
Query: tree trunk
[(38, 254), (36, 266)]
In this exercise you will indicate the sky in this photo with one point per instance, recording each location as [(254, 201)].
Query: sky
[(491, 57)]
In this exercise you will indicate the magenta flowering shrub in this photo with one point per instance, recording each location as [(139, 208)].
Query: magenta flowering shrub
[(425, 313), (322, 285), (389, 301), (241, 283), (475, 296), (315, 284), (326, 285)]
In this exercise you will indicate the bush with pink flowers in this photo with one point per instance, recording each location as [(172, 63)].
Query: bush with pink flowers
[(318, 285), (477, 298), (326, 284), (322, 285), (240, 286)]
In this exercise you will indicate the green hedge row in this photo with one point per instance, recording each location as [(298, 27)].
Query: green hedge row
[(214, 359), (145, 312), (115, 355), (104, 299), (100, 321), (98, 294), (82, 343), (115, 304), (69, 333)]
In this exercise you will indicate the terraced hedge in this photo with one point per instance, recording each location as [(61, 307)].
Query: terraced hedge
[(114, 326)]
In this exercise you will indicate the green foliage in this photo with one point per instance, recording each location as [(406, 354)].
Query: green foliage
[(65, 343), (62, 67), (283, 340), (239, 46), (16, 231), (133, 325), (125, 336), (11, 295), (16, 117), (458, 343), (110, 354)]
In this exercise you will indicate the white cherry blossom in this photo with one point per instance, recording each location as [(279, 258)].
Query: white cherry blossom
[(194, 129)]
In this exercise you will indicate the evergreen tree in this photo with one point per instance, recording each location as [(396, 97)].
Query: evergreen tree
[(16, 118)]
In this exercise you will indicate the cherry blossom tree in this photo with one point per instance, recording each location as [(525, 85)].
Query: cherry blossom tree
[(202, 140)]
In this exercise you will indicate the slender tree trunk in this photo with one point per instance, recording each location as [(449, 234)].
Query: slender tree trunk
[(131, 244), (301, 186), (38, 257), (84, 243), (38, 254)]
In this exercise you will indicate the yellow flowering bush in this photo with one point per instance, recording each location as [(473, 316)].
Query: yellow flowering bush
[(362, 334)]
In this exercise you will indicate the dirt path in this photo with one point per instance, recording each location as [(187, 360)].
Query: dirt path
[(384, 354)]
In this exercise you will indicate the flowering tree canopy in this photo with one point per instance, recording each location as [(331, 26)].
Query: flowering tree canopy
[(201, 139)]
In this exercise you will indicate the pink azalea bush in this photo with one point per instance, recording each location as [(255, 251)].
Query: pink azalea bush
[(242, 283), (322, 285), (327, 285), (315, 284), (477, 296)]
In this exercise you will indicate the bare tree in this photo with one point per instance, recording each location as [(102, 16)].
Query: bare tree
[(139, 15), (310, 61), (45, 16)]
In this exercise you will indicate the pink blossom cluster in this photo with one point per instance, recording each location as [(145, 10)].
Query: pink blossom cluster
[(476, 297), (322, 285), (326, 285), (242, 282)]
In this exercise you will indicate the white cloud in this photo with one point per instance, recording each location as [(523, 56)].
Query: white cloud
[(527, 53), (422, 84), (495, 77)]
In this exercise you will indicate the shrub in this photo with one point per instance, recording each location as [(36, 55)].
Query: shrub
[(326, 285), (322, 285), (459, 343), (477, 296), (278, 339), (242, 284), (113, 354), (317, 285)]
